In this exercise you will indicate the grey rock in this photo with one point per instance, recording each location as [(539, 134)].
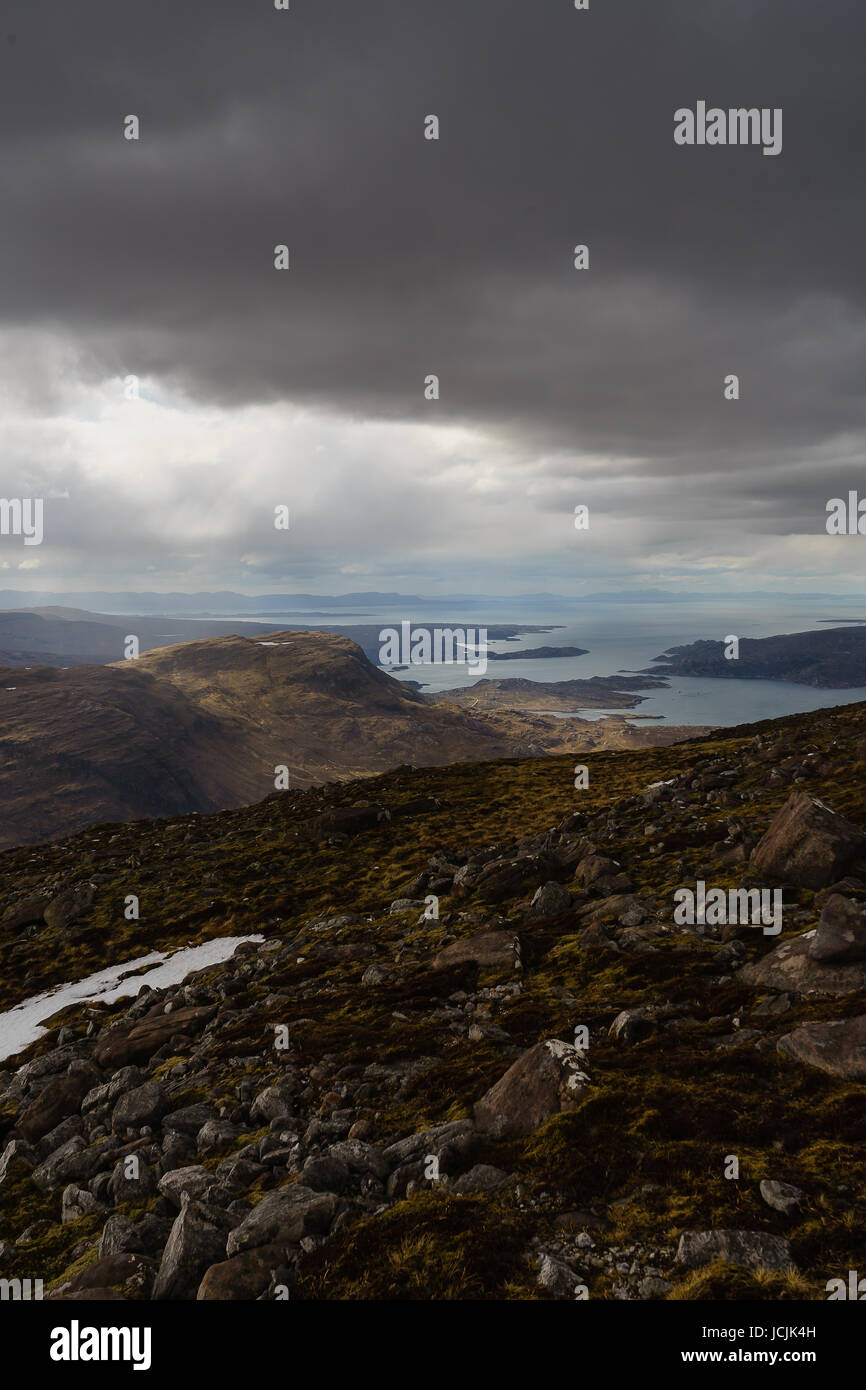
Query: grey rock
[(841, 933), (119, 1237), (77, 1202), (197, 1241), (482, 1178), (17, 1158), (325, 1174), (631, 1026), (781, 1196), (193, 1181), (361, 1158), (284, 1216), (654, 1286), (272, 1103), (549, 900), (73, 1162), (556, 1277), (189, 1120), (132, 1182), (144, 1105), (749, 1249)]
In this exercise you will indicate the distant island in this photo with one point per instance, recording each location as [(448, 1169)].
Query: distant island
[(537, 652), (830, 659), (559, 697)]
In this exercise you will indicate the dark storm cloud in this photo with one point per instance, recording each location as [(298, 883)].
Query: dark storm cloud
[(410, 257)]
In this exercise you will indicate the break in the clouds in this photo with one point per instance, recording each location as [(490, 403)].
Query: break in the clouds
[(411, 257)]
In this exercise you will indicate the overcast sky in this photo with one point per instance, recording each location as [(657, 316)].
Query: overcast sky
[(305, 387)]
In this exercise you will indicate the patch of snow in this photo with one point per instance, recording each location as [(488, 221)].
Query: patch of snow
[(23, 1024)]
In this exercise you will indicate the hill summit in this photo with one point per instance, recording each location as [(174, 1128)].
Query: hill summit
[(479, 1052)]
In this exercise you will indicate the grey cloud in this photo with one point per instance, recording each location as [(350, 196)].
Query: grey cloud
[(412, 257)]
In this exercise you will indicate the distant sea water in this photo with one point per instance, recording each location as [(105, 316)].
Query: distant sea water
[(624, 638)]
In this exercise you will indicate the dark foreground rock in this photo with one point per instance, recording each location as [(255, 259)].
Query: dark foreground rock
[(807, 843), (837, 1048), (547, 1079), (750, 1249)]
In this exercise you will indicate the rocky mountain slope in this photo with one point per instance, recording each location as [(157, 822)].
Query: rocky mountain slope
[(203, 726), (551, 1090)]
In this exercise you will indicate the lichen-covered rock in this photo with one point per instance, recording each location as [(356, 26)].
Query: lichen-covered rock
[(841, 931), (547, 1079), (790, 968)]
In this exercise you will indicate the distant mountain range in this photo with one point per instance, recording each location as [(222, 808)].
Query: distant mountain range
[(226, 600), (58, 636)]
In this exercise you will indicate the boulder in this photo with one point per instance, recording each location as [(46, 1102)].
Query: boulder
[(547, 1079), (144, 1105), (197, 1241), (325, 1174), (454, 1138), (361, 1158), (24, 913), (132, 1182), (119, 1237), (59, 1099), (216, 1135), (192, 1181), (556, 1277), (73, 1162), (549, 900), (244, 1277), (791, 969), (118, 1272), (749, 1249), (189, 1119), (77, 1202), (273, 1102), (781, 1196), (137, 1042), (838, 1048), (283, 1217), (72, 903), (841, 932), (491, 950), (631, 1026), (482, 1178), (16, 1160), (505, 878), (807, 844)]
